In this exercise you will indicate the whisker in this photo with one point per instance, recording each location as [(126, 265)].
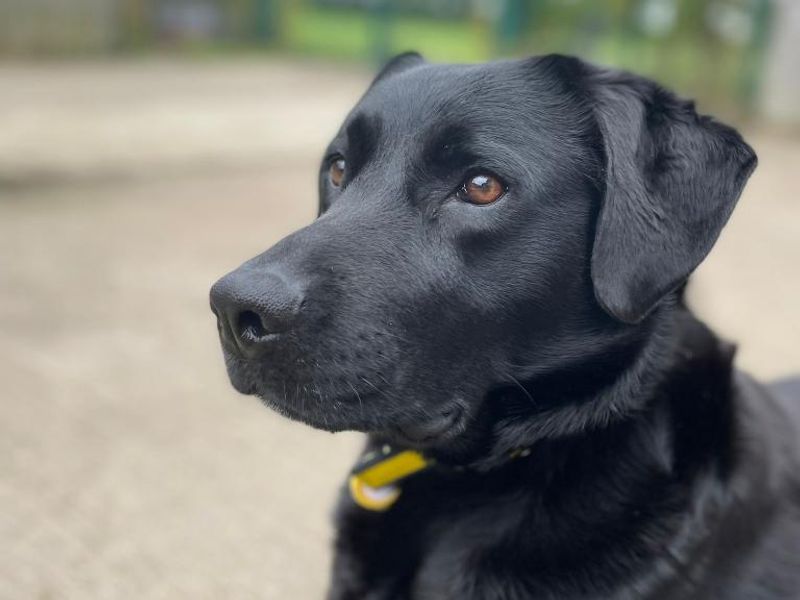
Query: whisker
[(360, 403), (374, 387), (383, 379), (394, 335), (524, 391)]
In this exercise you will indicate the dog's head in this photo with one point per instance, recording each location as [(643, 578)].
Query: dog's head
[(480, 226)]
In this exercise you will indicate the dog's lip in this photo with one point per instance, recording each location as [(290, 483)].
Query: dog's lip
[(326, 421), (417, 432), (421, 434)]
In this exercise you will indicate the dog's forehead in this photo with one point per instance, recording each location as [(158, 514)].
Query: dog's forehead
[(487, 97), (433, 91)]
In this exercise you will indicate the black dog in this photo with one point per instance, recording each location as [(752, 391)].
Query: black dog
[(495, 282)]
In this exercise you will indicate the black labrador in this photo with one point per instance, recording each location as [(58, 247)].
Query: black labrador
[(493, 293)]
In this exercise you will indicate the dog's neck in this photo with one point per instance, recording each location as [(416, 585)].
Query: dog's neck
[(676, 390), (615, 488), (639, 464), (679, 359), (611, 384)]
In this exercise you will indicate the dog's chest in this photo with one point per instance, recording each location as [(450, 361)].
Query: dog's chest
[(417, 550)]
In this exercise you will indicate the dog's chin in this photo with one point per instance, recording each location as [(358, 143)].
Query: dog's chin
[(331, 423), (303, 410), (437, 429), (431, 429)]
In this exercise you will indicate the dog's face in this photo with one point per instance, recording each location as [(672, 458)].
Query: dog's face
[(480, 226)]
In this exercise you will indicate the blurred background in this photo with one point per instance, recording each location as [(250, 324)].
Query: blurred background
[(149, 146)]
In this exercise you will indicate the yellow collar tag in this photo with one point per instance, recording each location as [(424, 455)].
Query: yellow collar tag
[(372, 483), (370, 498)]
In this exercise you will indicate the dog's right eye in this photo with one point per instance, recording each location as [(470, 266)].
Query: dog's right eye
[(481, 188), (336, 170)]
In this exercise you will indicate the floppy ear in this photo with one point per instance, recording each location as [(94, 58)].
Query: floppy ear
[(672, 179)]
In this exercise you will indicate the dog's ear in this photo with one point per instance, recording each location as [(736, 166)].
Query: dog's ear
[(398, 64), (672, 178)]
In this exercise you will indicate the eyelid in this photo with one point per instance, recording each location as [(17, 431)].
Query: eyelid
[(330, 157), (475, 171), (483, 170)]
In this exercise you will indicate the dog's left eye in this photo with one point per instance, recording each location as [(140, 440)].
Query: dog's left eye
[(336, 171), (481, 188)]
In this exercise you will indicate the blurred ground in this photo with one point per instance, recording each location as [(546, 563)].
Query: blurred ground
[(128, 467)]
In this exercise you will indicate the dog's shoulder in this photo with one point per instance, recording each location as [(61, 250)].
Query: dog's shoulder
[(765, 493)]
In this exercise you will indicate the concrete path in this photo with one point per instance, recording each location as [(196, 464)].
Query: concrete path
[(128, 467)]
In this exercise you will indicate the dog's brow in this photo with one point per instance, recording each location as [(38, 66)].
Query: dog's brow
[(363, 133), (449, 148)]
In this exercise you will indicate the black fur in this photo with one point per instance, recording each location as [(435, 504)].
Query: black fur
[(551, 319)]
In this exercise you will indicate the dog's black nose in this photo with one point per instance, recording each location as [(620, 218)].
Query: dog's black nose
[(253, 308)]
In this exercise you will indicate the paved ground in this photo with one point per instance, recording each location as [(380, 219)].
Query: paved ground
[(128, 467)]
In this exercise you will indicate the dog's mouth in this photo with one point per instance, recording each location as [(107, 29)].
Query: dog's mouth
[(345, 414), (365, 409)]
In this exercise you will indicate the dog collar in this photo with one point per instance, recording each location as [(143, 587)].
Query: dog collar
[(374, 481)]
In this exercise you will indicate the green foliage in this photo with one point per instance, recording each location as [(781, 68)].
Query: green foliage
[(707, 49), (353, 33)]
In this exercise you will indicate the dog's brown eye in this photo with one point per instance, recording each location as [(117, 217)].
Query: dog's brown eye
[(482, 189), (336, 171)]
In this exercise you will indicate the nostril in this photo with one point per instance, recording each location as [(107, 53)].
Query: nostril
[(250, 325)]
